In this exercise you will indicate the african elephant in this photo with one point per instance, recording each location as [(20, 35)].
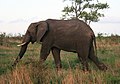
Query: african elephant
[(68, 35)]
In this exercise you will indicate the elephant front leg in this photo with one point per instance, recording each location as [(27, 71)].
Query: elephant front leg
[(56, 55), (44, 53)]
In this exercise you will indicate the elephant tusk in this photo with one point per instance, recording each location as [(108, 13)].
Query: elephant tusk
[(22, 44)]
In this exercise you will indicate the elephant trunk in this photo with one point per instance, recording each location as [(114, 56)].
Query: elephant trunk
[(23, 49), (21, 53)]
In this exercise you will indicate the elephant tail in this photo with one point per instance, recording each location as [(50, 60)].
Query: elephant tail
[(95, 46)]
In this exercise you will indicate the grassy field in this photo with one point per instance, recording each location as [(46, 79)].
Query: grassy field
[(30, 71)]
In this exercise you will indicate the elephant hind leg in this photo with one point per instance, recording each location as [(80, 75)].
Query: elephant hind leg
[(83, 57), (94, 58)]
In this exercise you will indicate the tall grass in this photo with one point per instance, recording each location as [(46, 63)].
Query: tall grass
[(37, 74)]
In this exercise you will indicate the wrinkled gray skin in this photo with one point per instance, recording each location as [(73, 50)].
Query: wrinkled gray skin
[(68, 35)]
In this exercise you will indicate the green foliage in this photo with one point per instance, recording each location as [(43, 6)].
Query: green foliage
[(87, 10)]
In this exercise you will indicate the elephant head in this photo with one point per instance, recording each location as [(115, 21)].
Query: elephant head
[(34, 33)]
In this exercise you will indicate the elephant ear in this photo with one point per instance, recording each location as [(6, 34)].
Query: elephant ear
[(42, 29)]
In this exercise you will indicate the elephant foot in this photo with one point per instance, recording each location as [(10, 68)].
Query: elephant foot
[(59, 70), (86, 70), (58, 67), (102, 67), (85, 67), (41, 61)]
